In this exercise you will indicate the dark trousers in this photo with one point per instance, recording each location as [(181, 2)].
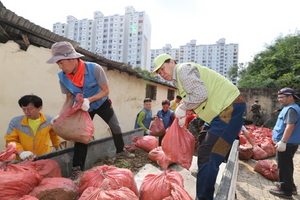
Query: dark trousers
[(286, 168), (215, 146), (106, 112)]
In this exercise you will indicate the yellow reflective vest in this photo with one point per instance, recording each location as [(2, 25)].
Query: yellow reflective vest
[(221, 92)]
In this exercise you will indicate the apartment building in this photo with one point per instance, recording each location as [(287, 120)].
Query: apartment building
[(219, 57), (122, 38)]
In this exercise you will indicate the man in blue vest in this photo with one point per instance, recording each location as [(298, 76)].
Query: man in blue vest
[(90, 80), (217, 101), (166, 115), (286, 136), (144, 117)]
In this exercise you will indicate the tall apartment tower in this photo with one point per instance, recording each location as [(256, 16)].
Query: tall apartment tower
[(219, 57), (122, 38)]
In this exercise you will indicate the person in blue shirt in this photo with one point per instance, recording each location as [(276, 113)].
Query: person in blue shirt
[(166, 115), (89, 79), (286, 137)]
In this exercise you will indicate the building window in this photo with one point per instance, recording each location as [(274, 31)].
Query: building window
[(171, 95), (151, 92)]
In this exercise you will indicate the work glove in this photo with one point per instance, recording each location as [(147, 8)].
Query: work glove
[(280, 146), (26, 155), (181, 115), (148, 132), (85, 105), (54, 118)]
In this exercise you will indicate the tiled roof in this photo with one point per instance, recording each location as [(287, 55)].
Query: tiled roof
[(25, 33)]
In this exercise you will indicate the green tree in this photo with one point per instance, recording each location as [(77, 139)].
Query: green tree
[(277, 66)]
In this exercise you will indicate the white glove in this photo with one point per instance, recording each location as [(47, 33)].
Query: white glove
[(181, 115), (148, 132), (280, 146), (85, 105), (54, 118), (26, 155)]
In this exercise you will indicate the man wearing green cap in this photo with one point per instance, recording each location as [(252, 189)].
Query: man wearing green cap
[(217, 101)]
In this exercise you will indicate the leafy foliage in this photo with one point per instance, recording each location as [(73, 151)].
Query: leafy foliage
[(276, 67)]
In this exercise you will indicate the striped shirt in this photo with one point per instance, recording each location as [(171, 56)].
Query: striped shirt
[(192, 84)]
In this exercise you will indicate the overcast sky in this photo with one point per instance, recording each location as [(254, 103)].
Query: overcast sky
[(252, 24)]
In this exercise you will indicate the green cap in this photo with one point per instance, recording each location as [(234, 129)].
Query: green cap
[(159, 61)]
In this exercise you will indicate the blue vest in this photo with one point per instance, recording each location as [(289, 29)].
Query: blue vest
[(166, 117), (280, 126), (146, 121), (90, 86)]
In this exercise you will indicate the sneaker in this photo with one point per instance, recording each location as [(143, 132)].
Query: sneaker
[(278, 185), (76, 171), (278, 192), (125, 154)]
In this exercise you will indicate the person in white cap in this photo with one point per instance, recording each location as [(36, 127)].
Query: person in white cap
[(90, 80), (286, 137), (216, 101)]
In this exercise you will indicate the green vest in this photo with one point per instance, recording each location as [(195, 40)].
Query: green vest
[(221, 92)]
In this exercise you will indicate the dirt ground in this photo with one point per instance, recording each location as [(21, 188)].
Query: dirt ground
[(134, 164)]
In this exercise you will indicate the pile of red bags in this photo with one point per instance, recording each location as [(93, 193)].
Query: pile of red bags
[(264, 147), (21, 179)]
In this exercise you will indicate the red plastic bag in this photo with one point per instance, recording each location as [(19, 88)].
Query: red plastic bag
[(158, 186), (74, 124), (27, 197), (269, 148), (56, 188), (259, 153), (147, 142), (9, 154), (178, 192), (17, 181), (157, 128), (245, 152), (159, 156), (268, 169), (93, 193), (178, 144), (117, 177), (47, 168)]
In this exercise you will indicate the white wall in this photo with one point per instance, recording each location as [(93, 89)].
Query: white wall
[(25, 72)]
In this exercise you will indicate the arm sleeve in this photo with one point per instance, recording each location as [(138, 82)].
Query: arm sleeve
[(193, 85), (100, 75), (55, 139), (140, 120), (63, 88), (291, 116), (12, 136)]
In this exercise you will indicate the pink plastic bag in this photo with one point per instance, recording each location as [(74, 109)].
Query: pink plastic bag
[(158, 186), (178, 144), (159, 156), (268, 169), (74, 124), (157, 128), (147, 142)]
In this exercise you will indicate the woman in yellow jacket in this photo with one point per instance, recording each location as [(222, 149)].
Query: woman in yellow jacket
[(31, 132)]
